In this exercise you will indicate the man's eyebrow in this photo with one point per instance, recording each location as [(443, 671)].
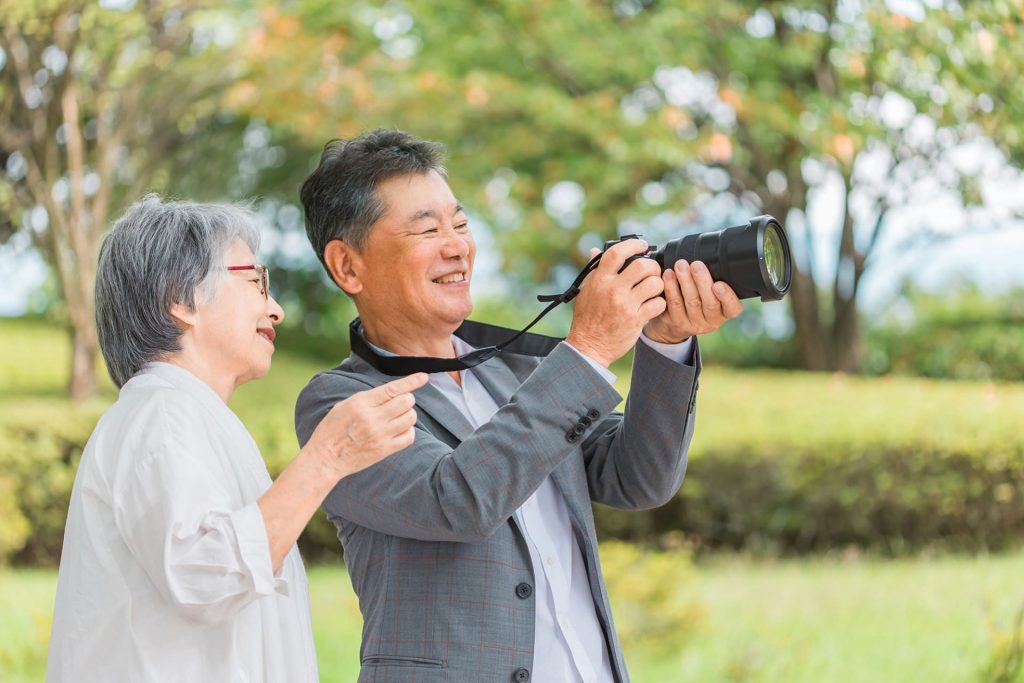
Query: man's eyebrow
[(423, 213), (430, 213)]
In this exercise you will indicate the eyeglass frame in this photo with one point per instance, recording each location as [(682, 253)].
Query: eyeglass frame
[(263, 273)]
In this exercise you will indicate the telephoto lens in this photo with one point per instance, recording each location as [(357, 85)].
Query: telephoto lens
[(753, 259)]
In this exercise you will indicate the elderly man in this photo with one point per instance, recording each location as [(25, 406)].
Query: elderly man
[(474, 553)]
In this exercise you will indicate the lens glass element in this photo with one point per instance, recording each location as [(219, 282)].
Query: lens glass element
[(774, 257)]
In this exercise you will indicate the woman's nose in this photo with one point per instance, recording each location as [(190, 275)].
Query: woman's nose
[(274, 310)]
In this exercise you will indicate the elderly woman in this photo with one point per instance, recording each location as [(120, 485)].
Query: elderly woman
[(179, 558)]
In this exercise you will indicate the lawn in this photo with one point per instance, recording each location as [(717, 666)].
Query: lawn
[(840, 620)]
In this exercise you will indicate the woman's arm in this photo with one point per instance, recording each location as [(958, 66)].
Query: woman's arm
[(355, 434)]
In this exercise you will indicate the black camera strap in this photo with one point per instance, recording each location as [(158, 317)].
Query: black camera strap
[(482, 335)]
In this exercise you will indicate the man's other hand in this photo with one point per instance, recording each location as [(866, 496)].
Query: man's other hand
[(612, 307), (694, 304)]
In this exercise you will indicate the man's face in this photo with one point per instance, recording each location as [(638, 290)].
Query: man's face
[(416, 265)]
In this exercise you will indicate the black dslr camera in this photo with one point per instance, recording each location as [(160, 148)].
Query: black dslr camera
[(753, 259)]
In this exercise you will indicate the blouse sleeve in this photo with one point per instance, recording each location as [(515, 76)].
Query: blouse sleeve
[(173, 510)]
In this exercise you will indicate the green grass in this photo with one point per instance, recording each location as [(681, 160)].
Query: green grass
[(923, 620)]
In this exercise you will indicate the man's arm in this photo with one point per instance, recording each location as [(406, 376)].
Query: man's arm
[(637, 460), (430, 491)]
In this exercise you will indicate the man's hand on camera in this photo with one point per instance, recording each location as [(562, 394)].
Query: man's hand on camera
[(695, 304), (612, 307)]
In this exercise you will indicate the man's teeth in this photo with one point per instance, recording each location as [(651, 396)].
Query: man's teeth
[(454, 277)]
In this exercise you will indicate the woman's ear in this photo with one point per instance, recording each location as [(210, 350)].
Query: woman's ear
[(183, 315), (343, 263)]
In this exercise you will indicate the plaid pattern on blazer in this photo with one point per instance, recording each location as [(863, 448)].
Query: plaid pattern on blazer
[(433, 549)]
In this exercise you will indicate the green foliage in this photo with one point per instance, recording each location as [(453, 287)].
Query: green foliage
[(967, 336), (798, 462), (781, 461), (661, 116), (40, 457), (651, 594), (1007, 642)]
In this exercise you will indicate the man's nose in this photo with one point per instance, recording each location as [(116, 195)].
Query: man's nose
[(456, 245)]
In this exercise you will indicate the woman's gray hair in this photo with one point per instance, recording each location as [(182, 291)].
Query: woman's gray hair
[(161, 253)]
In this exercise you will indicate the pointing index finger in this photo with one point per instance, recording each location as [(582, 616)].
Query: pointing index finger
[(397, 387)]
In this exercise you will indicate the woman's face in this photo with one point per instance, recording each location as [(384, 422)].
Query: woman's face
[(234, 333)]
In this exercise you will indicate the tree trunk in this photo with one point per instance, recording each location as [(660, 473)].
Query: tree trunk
[(846, 338), (84, 350), (810, 333), (811, 336)]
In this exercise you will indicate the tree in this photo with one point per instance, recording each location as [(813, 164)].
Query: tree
[(98, 101), (569, 121)]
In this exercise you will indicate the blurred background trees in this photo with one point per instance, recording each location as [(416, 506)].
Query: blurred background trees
[(869, 128), (101, 103)]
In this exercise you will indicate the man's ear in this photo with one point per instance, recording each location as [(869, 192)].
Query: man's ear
[(343, 263)]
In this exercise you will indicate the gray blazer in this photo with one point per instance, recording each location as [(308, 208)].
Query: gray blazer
[(441, 568)]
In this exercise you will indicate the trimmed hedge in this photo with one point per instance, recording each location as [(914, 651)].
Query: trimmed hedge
[(782, 462), (886, 497)]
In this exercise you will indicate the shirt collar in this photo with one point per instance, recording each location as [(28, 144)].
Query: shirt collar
[(180, 378)]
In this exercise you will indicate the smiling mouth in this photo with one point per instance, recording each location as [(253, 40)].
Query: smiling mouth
[(267, 333), (449, 279)]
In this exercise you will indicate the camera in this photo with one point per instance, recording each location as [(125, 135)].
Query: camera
[(754, 259)]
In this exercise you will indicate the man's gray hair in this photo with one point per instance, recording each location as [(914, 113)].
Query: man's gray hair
[(161, 253)]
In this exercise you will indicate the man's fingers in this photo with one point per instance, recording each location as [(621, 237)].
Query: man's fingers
[(709, 302), (639, 270), (652, 308), (648, 288), (403, 385), (673, 296), (731, 304), (616, 255), (691, 297)]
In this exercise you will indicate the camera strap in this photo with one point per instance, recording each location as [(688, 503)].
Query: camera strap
[(482, 335)]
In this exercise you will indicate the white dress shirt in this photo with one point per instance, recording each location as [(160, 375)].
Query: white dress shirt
[(166, 572), (569, 645)]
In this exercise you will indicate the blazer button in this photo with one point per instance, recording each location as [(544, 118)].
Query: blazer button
[(571, 436), (521, 675), (593, 414), (586, 421), (524, 590), (579, 429)]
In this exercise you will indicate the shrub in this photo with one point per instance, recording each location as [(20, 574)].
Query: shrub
[(782, 462), (649, 591), (887, 497), (969, 335), (42, 442)]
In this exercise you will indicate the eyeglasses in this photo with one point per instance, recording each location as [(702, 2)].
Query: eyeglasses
[(261, 270)]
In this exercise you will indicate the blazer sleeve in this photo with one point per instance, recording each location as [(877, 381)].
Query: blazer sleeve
[(637, 460), (433, 492)]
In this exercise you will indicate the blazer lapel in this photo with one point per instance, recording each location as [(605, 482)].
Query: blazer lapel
[(499, 381), (428, 400)]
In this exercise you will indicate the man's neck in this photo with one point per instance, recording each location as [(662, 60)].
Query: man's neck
[(403, 341)]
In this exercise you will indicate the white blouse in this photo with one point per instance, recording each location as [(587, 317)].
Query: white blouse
[(166, 572)]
